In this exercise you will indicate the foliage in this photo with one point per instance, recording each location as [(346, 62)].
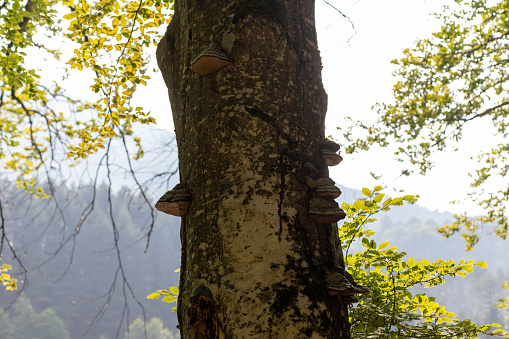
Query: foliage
[(154, 329), (168, 296), (503, 302), (456, 78), (25, 322), (391, 309), (89, 298), (111, 38), (9, 282)]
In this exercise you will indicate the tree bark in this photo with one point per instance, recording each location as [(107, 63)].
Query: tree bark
[(253, 262)]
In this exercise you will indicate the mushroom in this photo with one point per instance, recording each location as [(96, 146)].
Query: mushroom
[(325, 211), (336, 283), (175, 201), (328, 191), (327, 143), (330, 157), (210, 60), (315, 183), (351, 280)]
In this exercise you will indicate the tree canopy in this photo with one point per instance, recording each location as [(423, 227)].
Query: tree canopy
[(447, 81), (453, 79)]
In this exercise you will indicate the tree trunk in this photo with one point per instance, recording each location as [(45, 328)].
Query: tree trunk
[(253, 262)]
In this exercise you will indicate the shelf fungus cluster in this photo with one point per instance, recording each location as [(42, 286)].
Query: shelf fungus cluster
[(210, 60), (175, 202), (329, 152), (322, 207), (341, 282)]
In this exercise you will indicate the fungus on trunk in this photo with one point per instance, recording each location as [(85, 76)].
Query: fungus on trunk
[(325, 211), (337, 283), (211, 60), (328, 191), (330, 157), (175, 201)]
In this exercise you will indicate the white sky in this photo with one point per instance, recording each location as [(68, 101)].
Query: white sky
[(357, 74)]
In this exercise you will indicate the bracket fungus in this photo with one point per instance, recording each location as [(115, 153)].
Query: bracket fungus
[(337, 283), (325, 211), (330, 157), (328, 191), (328, 152), (210, 60), (327, 143), (325, 187), (351, 280), (175, 201), (315, 183)]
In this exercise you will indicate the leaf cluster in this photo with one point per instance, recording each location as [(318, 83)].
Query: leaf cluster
[(10, 283), (455, 78), (391, 309), (111, 39), (168, 296)]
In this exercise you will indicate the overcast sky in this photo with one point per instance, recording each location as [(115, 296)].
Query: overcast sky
[(357, 73)]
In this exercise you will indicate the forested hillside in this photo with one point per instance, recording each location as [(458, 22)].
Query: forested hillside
[(70, 288), (78, 277)]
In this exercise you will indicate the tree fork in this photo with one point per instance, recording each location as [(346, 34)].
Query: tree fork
[(253, 262)]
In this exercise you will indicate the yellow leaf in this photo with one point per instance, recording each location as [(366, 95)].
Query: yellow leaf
[(153, 296)]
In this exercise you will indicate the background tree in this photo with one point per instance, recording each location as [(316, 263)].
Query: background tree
[(453, 79), (448, 81), (26, 323), (154, 329), (45, 131)]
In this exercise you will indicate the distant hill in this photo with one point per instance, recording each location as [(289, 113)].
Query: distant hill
[(413, 229)]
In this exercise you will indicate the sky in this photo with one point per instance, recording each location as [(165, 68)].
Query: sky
[(357, 73)]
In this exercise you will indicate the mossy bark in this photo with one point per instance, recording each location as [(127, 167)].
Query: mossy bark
[(243, 134)]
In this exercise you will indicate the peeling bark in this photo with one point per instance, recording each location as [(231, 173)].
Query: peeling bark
[(244, 134)]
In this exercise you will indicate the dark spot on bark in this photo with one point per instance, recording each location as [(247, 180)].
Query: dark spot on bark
[(292, 155), (285, 298), (264, 8), (259, 113)]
